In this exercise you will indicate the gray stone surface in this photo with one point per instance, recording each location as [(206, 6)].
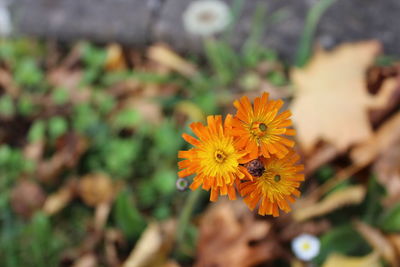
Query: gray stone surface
[(126, 21), (138, 22)]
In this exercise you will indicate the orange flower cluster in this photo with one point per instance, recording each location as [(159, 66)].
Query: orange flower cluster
[(248, 153)]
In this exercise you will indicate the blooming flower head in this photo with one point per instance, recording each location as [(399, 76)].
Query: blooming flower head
[(259, 131), (214, 158), (306, 247), (206, 17), (275, 186)]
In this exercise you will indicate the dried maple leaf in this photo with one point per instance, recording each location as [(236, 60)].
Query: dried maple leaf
[(227, 239), (332, 101)]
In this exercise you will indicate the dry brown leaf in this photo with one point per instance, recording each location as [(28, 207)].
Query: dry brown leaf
[(115, 58), (101, 215), (189, 110), (395, 240), (332, 101), (60, 199), (165, 56), (7, 82), (387, 168), (87, 260), (370, 260), (297, 263), (384, 138), (149, 110), (322, 155), (70, 148), (378, 241), (95, 189), (113, 237), (227, 232), (26, 198), (153, 246), (351, 195)]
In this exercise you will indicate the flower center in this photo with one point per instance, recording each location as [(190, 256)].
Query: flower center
[(277, 178), (306, 246), (258, 129), (262, 127), (219, 156)]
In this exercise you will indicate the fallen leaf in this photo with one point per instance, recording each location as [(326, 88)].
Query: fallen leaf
[(87, 260), (153, 246), (96, 189), (322, 155), (378, 76), (351, 195), (70, 148), (60, 199), (378, 241), (387, 168), (331, 101), (395, 240), (384, 138), (115, 58), (113, 237), (7, 82), (26, 198), (370, 260), (229, 238), (165, 56)]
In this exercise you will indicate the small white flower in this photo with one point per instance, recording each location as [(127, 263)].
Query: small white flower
[(306, 247), (206, 17)]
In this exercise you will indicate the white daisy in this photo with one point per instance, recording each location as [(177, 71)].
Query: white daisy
[(206, 17), (306, 247)]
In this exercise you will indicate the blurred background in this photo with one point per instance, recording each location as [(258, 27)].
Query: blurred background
[(94, 97)]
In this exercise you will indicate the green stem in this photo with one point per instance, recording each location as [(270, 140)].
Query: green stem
[(185, 216), (312, 19)]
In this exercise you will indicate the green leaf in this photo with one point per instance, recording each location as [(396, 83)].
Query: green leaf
[(162, 211), (60, 96), (7, 108), (84, 117), (126, 118), (41, 243), (164, 181), (127, 217), (167, 139), (57, 126), (37, 131), (25, 106), (119, 156), (390, 220), (27, 73), (337, 240)]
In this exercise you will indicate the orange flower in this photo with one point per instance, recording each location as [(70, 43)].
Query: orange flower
[(260, 131), (214, 158), (275, 187)]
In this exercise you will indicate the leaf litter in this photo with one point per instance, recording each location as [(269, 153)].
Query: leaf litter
[(346, 114)]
